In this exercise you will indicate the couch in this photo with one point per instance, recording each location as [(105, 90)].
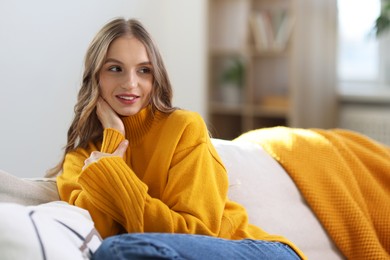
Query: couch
[(257, 181)]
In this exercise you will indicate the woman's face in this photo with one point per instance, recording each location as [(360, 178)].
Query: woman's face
[(126, 77)]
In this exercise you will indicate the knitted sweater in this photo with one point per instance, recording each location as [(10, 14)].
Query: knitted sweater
[(171, 179), (345, 178)]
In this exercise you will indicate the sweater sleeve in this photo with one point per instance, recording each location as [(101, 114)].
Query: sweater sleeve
[(192, 201), (72, 192), (111, 140)]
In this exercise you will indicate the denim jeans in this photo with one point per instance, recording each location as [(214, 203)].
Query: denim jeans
[(185, 246)]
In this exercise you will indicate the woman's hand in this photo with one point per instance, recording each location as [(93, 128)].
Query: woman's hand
[(108, 117), (96, 155)]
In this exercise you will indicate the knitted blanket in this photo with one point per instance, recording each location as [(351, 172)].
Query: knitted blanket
[(344, 177)]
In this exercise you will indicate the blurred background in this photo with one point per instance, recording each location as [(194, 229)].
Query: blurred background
[(241, 64)]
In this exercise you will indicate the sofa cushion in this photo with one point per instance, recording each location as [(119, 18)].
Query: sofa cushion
[(53, 230), (271, 198), (29, 191)]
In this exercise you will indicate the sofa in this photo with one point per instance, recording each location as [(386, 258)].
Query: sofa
[(257, 181)]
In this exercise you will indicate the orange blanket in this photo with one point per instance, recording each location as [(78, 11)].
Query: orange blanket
[(345, 178)]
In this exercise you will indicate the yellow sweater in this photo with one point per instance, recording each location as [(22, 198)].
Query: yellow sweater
[(345, 178), (171, 180)]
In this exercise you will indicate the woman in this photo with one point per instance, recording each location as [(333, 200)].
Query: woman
[(145, 169)]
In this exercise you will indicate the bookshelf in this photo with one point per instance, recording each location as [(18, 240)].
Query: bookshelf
[(257, 35)]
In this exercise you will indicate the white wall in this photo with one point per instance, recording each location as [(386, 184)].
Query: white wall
[(42, 46)]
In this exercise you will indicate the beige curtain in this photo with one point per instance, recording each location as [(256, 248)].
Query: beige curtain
[(314, 78)]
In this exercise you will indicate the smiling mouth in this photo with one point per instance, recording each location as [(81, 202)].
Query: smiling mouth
[(129, 98)]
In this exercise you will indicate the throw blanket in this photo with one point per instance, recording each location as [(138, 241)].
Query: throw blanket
[(345, 178)]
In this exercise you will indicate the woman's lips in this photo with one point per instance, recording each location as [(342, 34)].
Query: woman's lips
[(127, 99)]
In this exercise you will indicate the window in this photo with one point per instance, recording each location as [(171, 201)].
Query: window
[(358, 57)]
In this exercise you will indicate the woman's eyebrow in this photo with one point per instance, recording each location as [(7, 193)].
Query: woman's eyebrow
[(145, 63), (108, 60), (112, 60)]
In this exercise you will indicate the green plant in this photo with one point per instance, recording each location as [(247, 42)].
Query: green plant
[(234, 73), (382, 23)]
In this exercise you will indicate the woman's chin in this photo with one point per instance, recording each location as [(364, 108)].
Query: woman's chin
[(127, 113)]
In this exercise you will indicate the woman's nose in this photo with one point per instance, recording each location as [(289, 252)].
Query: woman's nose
[(130, 80)]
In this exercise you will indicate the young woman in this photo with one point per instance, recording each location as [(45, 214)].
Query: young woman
[(146, 170)]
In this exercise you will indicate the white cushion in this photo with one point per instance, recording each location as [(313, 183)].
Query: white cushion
[(271, 198), (52, 231)]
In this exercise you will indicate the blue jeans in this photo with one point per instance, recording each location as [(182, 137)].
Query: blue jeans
[(185, 246)]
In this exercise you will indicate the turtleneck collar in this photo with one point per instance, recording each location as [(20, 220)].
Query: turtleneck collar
[(138, 125)]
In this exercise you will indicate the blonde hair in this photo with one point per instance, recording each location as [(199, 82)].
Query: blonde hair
[(86, 126)]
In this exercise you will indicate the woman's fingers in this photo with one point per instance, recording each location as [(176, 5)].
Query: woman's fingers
[(96, 155), (121, 149)]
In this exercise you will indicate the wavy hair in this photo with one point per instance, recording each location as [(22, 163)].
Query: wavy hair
[(86, 126)]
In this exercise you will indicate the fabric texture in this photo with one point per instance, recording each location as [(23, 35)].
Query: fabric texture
[(189, 247), (175, 182), (345, 178), (50, 231), (32, 191), (273, 202)]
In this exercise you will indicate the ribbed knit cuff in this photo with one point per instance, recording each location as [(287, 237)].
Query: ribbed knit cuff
[(111, 140), (116, 190)]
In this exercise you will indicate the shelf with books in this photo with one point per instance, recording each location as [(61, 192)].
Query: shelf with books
[(264, 97), (271, 25)]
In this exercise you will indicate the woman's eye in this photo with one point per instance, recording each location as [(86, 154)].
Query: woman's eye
[(115, 69), (145, 70)]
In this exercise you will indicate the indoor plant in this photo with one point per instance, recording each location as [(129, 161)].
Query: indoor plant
[(382, 23), (232, 81)]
